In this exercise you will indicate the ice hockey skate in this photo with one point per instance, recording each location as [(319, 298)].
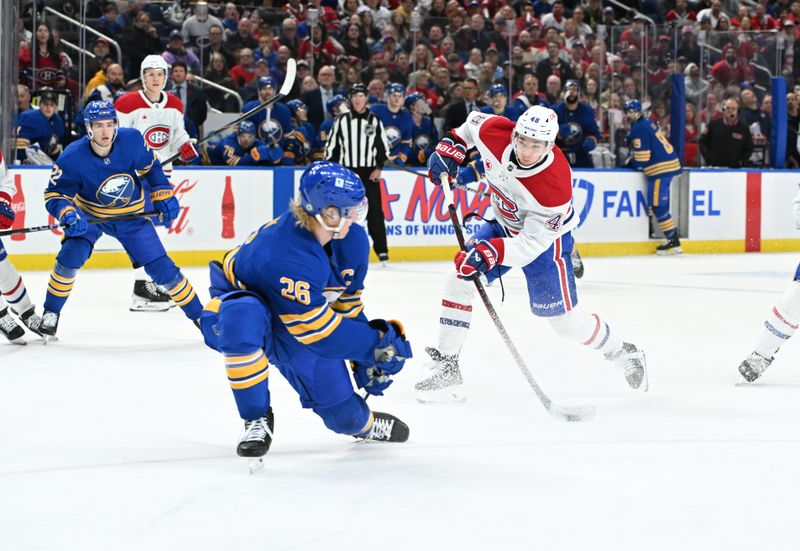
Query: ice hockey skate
[(633, 364), (49, 326), (577, 263), (256, 439), (385, 428), (149, 297), (672, 246), (754, 366), (32, 321), (10, 328), (442, 381)]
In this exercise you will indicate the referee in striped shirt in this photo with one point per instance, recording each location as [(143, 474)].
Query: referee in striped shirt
[(358, 141)]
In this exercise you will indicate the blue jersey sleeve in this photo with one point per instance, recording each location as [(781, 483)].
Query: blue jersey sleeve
[(147, 166), (639, 141), (63, 185)]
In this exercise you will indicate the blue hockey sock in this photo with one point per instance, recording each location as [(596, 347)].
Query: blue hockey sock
[(248, 375), (59, 287)]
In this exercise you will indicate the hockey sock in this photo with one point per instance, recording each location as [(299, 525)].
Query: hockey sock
[(139, 274), (184, 296), (456, 314), (665, 221), (248, 374), (781, 323), (60, 286), (589, 330), (13, 288)]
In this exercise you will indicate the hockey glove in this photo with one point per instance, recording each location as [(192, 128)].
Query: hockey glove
[(479, 259), (370, 378), (446, 159), (6, 212), (168, 209), (72, 223), (188, 152), (393, 349), (589, 144)]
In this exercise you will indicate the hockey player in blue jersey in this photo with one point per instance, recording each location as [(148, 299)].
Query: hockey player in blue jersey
[(397, 122), (242, 149), (336, 105), (107, 174), (273, 123), (578, 134), (291, 295), (498, 97), (42, 128), (304, 131), (424, 136), (652, 153)]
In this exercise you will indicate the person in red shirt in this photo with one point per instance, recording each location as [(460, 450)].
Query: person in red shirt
[(48, 56), (728, 70), (245, 71)]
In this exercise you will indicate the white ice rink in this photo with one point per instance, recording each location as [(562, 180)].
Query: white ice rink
[(121, 436)]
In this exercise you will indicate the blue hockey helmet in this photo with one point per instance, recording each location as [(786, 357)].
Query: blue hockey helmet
[(325, 184), (572, 83), (100, 110), (633, 105), (395, 88), (263, 82), (246, 127), (498, 89), (334, 102), (295, 105), (413, 98)]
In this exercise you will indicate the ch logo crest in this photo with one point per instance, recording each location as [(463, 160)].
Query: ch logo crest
[(505, 205), (157, 136)]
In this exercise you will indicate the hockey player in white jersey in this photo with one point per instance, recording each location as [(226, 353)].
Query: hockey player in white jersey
[(531, 185), (780, 325), (158, 115), (15, 297)]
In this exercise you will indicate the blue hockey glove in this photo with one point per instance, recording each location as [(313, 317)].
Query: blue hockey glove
[(168, 208), (72, 223), (270, 154), (393, 349), (6, 212), (479, 259), (446, 159), (589, 144), (370, 378)]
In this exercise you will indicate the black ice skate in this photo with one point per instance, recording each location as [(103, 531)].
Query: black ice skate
[(10, 328), (577, 263), (149, 297), (672, 246), (633, 364), (753, 366), (49, 325), (256, 439), (384, 259), (442, 379), (31, 320), (386, 428)]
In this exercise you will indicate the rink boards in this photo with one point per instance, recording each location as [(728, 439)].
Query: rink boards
[(717, 211)]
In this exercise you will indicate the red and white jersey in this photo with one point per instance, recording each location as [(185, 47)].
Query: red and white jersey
[(161, 123), (534, 205), (6, 183)]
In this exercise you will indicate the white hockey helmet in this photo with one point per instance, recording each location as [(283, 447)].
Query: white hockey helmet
[(539, 123), (154, 61)]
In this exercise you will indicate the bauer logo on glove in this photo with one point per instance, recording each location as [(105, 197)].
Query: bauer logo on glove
[(479, 259)]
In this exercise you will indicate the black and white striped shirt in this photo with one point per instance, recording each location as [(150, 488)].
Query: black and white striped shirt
[(357, 140)]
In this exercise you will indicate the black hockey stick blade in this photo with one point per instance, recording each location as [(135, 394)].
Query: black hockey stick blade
[(48, 227)]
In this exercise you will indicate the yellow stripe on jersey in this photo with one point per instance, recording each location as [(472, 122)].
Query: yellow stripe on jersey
[(348, 310), (663, 168), (228, 262), (213, 305), (288, 319), (322, 333), (312, 326), (105, 212)]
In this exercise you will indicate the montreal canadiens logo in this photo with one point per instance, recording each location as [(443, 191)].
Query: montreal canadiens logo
[(506, 207), (392, 135), (116, 191), (270, 129), (157, 136)]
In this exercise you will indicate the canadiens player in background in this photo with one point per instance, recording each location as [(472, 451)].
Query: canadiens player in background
[(531, 185), (14, 294), (110, 172), (291, 295), (158, 116), (780, 325), (654, 155)]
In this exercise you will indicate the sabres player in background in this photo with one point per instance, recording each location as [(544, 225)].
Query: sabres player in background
[(110, 172), (780, 325), (241, 148), (304, 131), (14, 293), (424, 136), (397, 122), (158, 116), (531, 185), (578, 134), (337, 105), (498, 103), (273, 124), (652, 153), (290, 295), (41, 128)]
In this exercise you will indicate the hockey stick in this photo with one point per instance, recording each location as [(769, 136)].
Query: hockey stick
[(286, 87), (122, 218), (565, 413), (425, 175)]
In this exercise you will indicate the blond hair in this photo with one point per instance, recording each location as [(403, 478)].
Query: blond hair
[(301, 217)]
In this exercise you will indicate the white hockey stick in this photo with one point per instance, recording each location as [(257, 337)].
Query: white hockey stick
[(565, 413)]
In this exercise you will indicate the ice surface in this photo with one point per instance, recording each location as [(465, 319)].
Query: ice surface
[(122, 435)]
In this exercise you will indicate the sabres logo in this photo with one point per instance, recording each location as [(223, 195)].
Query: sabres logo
[(116, 191), (574, 134), (270, 130), (392, 136), (157, 136), (422, 141)]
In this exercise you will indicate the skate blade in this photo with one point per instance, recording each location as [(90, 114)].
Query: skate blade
[(148, 308), (255, 464), (48, 339), (443, 396), (670, 252), (19, 341)]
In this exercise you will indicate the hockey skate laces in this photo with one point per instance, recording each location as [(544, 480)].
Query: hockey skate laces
[(381, 429), (256, 430)]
